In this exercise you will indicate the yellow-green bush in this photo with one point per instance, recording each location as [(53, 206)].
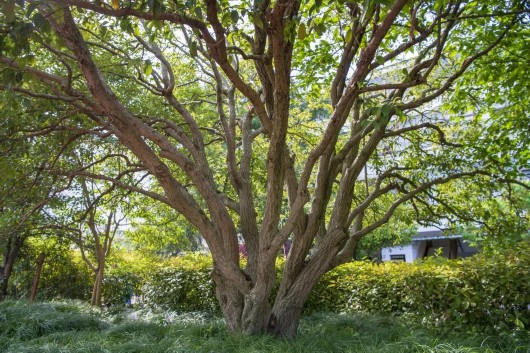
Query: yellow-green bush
[(183, 285), (492, 291)]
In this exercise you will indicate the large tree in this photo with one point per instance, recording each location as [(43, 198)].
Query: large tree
[(269, 119)]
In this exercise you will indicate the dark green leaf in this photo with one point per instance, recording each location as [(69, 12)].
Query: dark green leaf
[(234, 15), (9, 10), (148, 68), (258, 22), (198, 12), (193, 48)]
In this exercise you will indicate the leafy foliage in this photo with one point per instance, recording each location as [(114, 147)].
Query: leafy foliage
[(485, 290), (481, 290), (258, 120), (187, 285)]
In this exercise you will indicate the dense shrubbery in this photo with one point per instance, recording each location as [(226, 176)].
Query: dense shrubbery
[(492, 291), (186, 285)]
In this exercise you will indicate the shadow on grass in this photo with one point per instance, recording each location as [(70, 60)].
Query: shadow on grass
[(75, 327)]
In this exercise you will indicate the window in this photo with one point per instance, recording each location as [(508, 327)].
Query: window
[(398, 258)]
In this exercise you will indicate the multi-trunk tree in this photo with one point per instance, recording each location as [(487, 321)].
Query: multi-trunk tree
[(272, 120)]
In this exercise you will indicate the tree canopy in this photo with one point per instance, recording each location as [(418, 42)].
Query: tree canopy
[(273, 120)]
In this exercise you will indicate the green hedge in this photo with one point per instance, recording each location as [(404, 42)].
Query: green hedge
[(185, 285), (485, 290), (491, 291)]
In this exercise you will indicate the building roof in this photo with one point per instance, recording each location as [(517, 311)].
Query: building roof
[(434, 235)]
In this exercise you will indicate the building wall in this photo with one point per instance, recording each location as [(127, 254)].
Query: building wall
[(410, 251), (416, 249)]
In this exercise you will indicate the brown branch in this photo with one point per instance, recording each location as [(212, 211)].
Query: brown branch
[(441, 134), (466, 63)]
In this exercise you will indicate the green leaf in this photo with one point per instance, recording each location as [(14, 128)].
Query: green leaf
[(302, 31), (349, 35), (234, 15), (193, 48), (9, 10), (125, 24), (400, 113), (31, 7), (380, 59), (385, 111), (8, 77), (519, 324), (258, 22), (39, 21), (148, 68), (365, 123), (156, 7)]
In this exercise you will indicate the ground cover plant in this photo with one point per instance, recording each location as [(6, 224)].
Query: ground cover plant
[(69, 326)]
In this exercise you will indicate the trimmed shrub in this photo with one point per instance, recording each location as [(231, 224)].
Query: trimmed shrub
[(491, 291), (480, 291), (486, 290), (119, 286), (185, 285)]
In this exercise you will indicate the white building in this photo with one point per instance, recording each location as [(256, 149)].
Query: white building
[(426, 243)]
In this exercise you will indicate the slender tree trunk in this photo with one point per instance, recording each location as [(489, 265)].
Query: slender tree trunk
[(7, 267), (97, 289), (36, 278)]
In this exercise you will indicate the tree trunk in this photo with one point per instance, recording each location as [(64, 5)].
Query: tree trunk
[(36, 278), (97, 289), (257, 308), (231, 302), (287, 310), (7, 267), (283, 323)]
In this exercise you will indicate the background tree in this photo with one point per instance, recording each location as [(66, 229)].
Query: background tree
[(155, 229), (99, 224), (230, 140), (95, 209), (27, 191)]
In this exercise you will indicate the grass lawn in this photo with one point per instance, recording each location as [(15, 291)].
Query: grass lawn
[(73, 327)]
